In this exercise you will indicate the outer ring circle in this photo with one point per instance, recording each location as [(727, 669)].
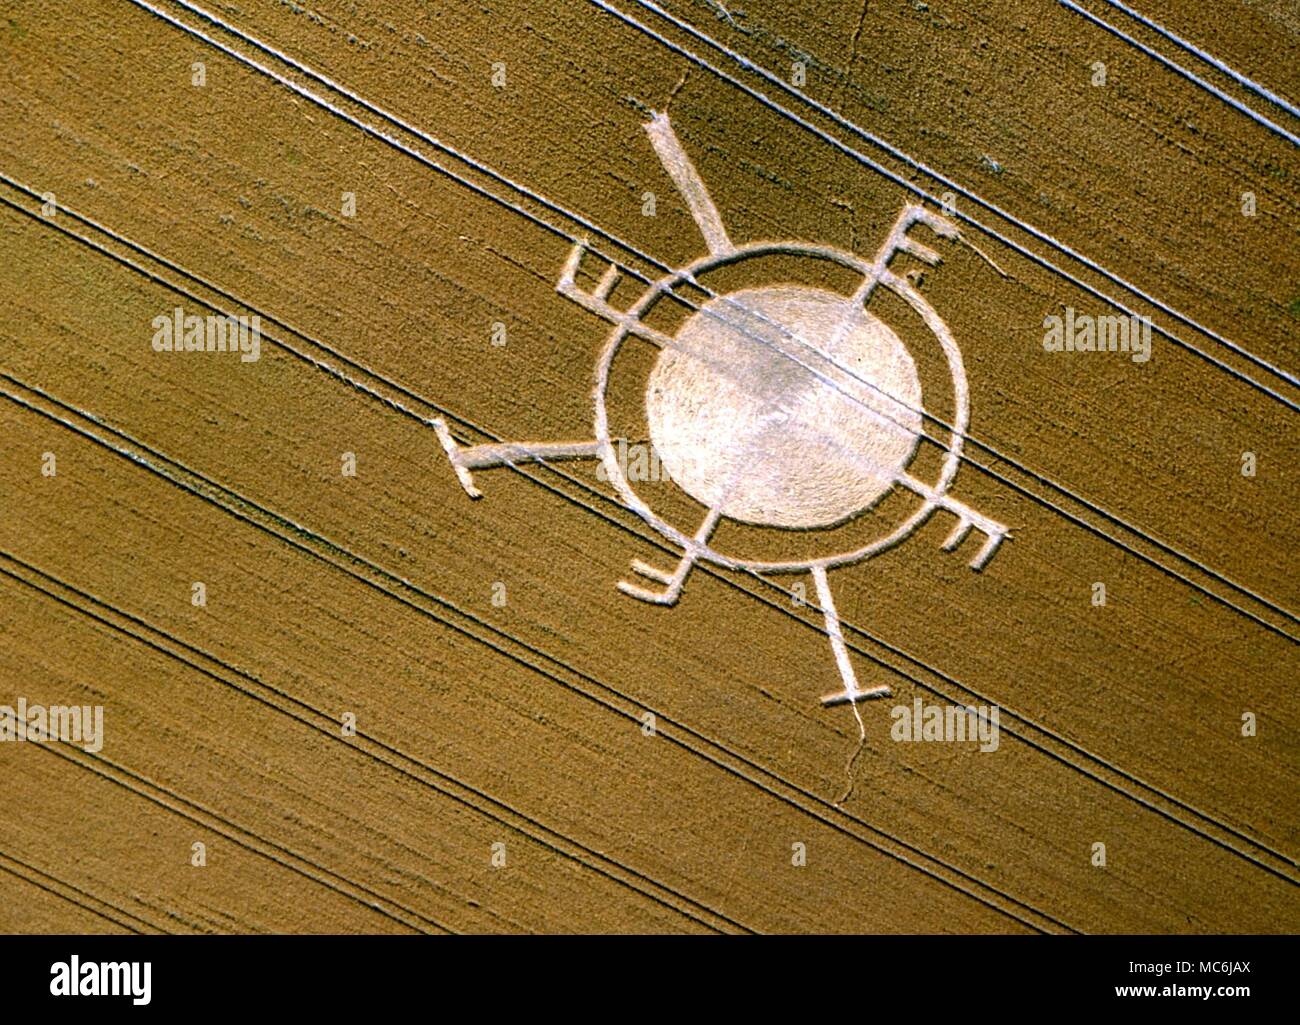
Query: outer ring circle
[(622, 329)]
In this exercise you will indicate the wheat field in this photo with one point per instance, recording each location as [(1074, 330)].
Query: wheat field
[(338, 694)]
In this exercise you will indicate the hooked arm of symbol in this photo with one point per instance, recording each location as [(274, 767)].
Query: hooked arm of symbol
[(994, 532), (899, 241), (673, 580), (597, 299)]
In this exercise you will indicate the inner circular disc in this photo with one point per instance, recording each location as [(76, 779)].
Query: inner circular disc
[(750, 413)]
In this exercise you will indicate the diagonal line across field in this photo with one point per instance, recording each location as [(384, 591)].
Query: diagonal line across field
[(1026, 482), (285, 704), (75, 895), (1234, 103), (215, 821), (1208, 58)]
